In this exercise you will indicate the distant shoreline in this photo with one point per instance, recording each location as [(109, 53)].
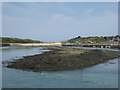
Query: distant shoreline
[(93, 41), (63, 59), (98, 45)]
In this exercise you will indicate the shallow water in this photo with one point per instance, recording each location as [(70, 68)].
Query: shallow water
[(99, 76)]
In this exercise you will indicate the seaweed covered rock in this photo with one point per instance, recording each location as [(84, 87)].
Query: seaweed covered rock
[(63, 59)]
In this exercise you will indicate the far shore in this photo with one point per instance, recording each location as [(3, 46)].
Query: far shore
[(98, 45), (63, 59)]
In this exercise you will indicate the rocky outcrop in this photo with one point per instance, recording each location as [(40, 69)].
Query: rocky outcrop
[(63, 59)]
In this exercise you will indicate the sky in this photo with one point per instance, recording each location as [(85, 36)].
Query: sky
[(59, 21)]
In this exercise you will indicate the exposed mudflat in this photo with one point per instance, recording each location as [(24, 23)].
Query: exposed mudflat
[(63, 59)]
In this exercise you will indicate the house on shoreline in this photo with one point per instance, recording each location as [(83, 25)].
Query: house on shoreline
[(116, 38)]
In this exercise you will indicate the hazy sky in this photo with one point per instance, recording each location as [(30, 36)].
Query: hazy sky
[(57, 21)]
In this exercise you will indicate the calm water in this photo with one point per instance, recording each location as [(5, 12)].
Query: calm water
[(99, 76)]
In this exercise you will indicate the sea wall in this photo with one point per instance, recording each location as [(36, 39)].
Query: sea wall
[(36, 44)]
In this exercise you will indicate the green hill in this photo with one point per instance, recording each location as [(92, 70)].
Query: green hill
[(89, 39), (16, 40)]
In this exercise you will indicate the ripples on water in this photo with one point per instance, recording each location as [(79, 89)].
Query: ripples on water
[(99, 76)]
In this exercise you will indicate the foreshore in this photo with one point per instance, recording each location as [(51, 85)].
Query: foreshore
[(63, 59)]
